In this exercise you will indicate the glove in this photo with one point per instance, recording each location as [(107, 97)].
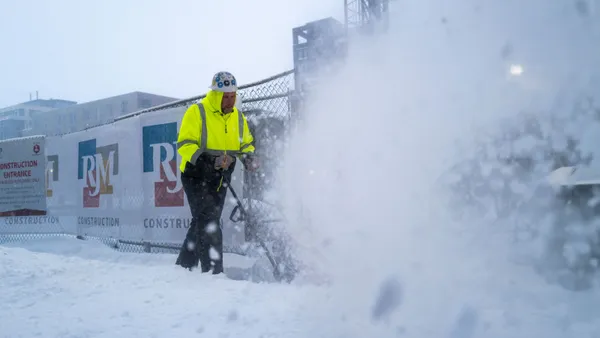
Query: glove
[(251, 162), (222, 162)]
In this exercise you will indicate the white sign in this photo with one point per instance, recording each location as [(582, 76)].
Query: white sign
[(22, 177)]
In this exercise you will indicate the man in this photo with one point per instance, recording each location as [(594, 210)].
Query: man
[(212, 134)]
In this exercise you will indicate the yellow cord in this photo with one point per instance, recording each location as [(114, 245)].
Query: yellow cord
[(220, 184)]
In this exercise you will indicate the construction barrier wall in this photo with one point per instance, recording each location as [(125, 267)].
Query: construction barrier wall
[(120, 182)]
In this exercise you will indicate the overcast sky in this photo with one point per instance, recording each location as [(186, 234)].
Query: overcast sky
[(86, 50)]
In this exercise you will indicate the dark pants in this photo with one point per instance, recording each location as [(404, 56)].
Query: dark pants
[(206, 191)]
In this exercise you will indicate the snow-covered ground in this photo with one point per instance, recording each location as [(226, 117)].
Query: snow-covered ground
[(63, 287)]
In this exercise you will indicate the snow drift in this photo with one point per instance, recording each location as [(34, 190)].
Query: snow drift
[(364, 181)]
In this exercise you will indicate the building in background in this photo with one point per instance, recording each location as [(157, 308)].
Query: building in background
[(15, 119), (76, 117)]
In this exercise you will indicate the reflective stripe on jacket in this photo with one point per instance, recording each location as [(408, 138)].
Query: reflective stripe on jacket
[(205, 129)]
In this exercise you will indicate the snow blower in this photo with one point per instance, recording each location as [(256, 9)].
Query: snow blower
[(282, 267)]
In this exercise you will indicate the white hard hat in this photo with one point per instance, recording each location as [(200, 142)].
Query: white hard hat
[(224, 82)]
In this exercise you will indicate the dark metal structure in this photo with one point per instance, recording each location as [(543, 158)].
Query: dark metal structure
[(319, 47), (366, 16)]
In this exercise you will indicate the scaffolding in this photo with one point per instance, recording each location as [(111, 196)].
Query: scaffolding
[(366, 16)]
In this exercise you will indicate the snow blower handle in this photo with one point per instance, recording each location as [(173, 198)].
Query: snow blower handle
[(239, 207), (234, 212)]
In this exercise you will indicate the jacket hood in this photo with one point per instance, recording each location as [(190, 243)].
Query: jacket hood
[(213, 99)]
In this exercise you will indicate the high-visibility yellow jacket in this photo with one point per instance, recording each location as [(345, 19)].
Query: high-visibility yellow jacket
[(205, 129)]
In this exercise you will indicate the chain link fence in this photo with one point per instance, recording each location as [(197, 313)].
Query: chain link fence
[(267, 106)]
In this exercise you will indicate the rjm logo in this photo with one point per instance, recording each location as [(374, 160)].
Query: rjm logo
[(98, 167), (51, 173), (160, 160)]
